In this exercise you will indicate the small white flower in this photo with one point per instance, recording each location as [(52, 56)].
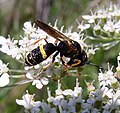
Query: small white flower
[(52, 69), (37, 82), (97, 26), (91, 19), (4, 80), (26, 45), (28, 28), (58, 99), (59, 95), (10, 48), (2, 40), (4, 77), (30, 74), (77, 90), (86, 17), (73, 35), (107, 92), (47, 109), (83, 27), (44, 81), (59, 90), (90, 86), (68, 107), (91, 51), (116, 98), (50, 98), (67, 92), (102, 14), (107, 78), (88, 105), (3, 67), (109, 26), (102, 93), (113, 103), (41, 34), (29, 103)]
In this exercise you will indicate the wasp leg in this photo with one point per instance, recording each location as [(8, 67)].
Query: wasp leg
[(45, 67), (61, 58), (48, 65), (55, 56), (66, 66), (77, 62), (38, 41)]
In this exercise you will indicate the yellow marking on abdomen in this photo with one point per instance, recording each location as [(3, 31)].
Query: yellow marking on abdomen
[(42, 51), (28, 60), (32, 58)]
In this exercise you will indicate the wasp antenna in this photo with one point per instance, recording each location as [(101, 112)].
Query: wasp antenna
[(95, 65)]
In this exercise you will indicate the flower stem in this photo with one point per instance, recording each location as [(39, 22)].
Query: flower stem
[(60, 108), (104, 39), (18, 71), (17, 76)]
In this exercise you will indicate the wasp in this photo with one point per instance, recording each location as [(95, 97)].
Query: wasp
[(66, 47)]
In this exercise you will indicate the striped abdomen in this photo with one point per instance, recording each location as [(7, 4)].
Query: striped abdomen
[(39, 54)]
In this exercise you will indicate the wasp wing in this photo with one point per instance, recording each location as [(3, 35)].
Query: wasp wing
[(55, 34), (51, 31)]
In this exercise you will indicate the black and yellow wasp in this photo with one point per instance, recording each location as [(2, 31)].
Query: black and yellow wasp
[(66, 47)]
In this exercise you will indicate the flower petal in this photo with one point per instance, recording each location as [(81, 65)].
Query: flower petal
[(4, 80), (44, 81), (20, 102), (37, 83)]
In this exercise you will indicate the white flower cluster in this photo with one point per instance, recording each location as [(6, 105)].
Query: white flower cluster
[(29, 103), (32, 38), (10, 47), (106, 19), (105, 99), (36, 80), (103, 25), (59, 102)]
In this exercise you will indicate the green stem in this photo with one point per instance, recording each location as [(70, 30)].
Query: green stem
[(104, 39), (18, 71), (60, 108), (17, 76)]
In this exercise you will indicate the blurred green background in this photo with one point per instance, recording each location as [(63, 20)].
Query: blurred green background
[(13, 14)]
